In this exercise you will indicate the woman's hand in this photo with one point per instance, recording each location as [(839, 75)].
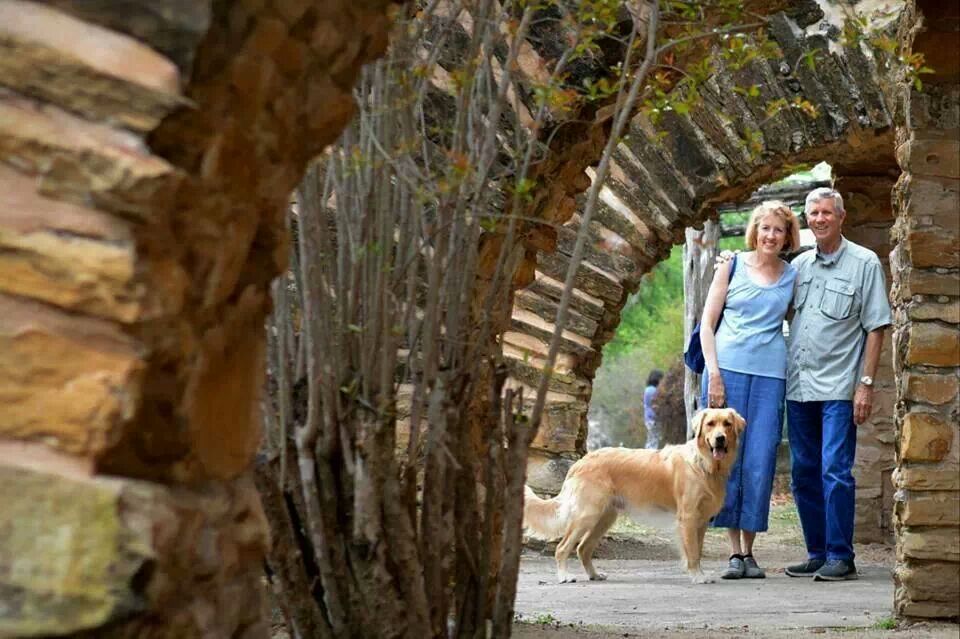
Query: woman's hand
[(716, 393)]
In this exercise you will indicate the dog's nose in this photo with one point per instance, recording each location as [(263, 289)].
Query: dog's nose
[(721, 440)]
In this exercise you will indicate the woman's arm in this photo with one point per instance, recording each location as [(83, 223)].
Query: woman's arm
[(716, 298)]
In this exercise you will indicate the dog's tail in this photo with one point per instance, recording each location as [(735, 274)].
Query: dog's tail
[(543, 518)]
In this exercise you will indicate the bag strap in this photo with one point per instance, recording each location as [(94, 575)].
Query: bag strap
[(733, 267)]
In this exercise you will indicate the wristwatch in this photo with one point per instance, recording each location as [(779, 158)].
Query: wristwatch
[(866, 380)]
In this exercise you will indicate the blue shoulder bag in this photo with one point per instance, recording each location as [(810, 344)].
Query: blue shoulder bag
[(693, 356)]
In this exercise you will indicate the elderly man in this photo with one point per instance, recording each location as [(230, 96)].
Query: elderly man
[(840, 313)]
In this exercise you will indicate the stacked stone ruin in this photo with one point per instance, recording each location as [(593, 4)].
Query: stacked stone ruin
[(147, 151), (147, 154)]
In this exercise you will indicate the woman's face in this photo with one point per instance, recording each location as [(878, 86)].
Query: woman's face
[(771, 234)]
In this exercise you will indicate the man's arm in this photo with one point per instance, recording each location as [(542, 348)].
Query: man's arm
[(863, 397)]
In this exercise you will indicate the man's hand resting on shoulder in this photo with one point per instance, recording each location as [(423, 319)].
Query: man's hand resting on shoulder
[(724, 256)]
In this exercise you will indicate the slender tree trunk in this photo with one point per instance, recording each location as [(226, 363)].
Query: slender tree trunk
[(699, 252)]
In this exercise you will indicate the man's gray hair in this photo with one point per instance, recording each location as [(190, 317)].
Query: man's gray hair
[(822, 193)]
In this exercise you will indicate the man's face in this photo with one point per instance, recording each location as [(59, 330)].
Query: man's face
[(825, 221)]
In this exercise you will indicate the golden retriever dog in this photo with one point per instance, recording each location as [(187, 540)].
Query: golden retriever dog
[(689, 480)]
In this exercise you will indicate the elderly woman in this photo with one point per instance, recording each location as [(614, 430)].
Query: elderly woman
[(746, 366)]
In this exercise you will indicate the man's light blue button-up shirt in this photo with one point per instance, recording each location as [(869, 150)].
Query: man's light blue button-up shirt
[(839, 298)]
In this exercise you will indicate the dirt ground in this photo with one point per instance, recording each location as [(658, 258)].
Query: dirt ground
[(915, 631), (646, 595)]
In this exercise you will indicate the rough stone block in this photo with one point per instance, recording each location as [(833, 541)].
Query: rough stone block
[(545, 471), (921, 477), (71, 562), (937, 157), (938, 544), (933, 344), (934, 247), (936, 107), (560, 429), (69, 381), (932, 201), (949, 312), (106, 51), (79, 161), (930, 388), (67, 255), (920, 282), (87, 552), (929, 580), (925, 437), (926, 609), (172, 27), (916, 508), (99, 73)]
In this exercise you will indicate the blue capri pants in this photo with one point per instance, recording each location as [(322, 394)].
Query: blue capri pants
[(759, 400)]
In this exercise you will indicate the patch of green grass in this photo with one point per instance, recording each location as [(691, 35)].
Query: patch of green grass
[(887, 623), (541, 619), (785, 523)]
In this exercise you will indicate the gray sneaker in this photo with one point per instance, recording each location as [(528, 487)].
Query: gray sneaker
[(735, 568), (750, 568), (805, 569), (836, 570)]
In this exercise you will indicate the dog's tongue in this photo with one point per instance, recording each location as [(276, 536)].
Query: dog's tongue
[(719, 453)]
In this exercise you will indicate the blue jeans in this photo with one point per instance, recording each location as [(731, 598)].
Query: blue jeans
[(823, 440), (759, 400)]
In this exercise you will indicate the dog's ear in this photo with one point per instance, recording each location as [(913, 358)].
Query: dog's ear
[(697, 423), (739, 421)]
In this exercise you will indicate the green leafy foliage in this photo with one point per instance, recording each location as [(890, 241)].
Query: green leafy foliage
[(653, 316)]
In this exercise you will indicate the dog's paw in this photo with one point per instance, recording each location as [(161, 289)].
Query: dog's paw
[(598, 576), (702, 578), (567, 579)]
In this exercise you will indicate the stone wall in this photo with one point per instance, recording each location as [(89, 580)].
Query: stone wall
[(926, 341), (147, 152)]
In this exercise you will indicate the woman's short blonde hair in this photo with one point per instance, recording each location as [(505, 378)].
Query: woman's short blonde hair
[(782, 211)]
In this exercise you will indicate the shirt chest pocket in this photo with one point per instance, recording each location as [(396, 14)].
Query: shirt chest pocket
[(839, 299)]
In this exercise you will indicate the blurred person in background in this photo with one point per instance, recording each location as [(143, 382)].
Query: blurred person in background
[(654, 434)]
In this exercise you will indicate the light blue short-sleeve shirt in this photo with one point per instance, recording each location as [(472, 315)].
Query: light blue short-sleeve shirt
[(839, 299), (750, 337)]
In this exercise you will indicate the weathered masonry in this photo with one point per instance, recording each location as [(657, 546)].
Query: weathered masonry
[(147, 151)]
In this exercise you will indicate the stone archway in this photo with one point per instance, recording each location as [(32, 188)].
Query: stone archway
[(907, 454), (672, 176)]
